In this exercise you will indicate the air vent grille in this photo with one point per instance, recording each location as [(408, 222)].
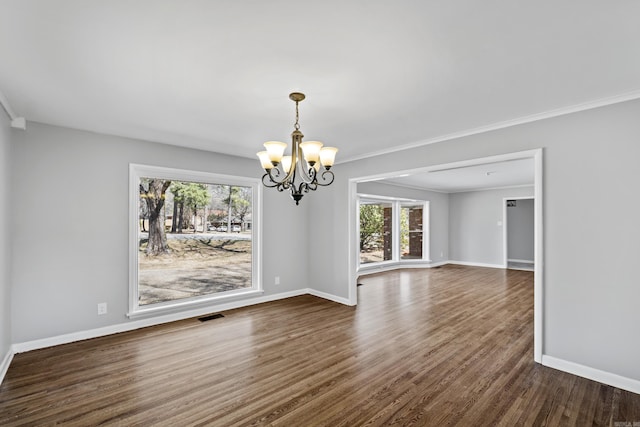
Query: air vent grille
[(210, 317)]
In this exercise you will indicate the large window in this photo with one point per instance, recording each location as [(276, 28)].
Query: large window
[(193, 238), (376, 234), (392, 230)]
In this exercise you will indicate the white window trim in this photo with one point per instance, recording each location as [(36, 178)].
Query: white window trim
[(426, 230), (137, 171)]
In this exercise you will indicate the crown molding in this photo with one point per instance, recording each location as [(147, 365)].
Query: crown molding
[(589, 105)]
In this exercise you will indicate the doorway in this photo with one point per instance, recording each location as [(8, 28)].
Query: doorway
[(536, 156), (519, 233)]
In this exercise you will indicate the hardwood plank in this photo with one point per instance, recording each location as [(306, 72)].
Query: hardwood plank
[(446, 346)]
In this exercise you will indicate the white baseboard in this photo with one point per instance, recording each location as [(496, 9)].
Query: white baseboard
[(329, 297), (421, 265), (522, 261), (476, 264), (4, 366), (438, 264), (137, 324), (522, 269), (589, 373), (397, 266)]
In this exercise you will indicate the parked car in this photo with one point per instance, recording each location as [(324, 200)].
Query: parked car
[(222, 228), (235, 228)]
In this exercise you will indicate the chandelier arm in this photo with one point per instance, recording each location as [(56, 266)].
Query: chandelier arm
[(296, 193), (303, 187), (269, 181), (280, 186), (296, 138), (326, 181), (307, 175), (273, 178)]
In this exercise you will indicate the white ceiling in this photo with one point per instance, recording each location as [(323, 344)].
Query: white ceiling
[(380, 74)]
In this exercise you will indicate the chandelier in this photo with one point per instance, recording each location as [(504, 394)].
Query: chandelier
[(299, 172)]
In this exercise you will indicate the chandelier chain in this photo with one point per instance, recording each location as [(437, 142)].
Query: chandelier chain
[(296, 126)]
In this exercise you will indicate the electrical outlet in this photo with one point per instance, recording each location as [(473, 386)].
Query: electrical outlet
[(102, 308), (277, 280)]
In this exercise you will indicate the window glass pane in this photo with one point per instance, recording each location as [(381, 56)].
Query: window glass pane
[(411, 232), (376, 239), (194, 239)]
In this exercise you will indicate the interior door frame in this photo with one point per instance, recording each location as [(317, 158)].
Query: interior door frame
[(537, 156)]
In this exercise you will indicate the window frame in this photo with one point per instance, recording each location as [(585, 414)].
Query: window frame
[(138, 171), (425, 229), (397, 204), (394, 230)]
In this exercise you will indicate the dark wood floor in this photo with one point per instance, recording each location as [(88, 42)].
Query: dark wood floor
[(447, 346)]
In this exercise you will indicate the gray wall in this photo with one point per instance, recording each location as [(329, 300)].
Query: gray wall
[(520, 230), (474, 233), (66, 259), (5, 237), (591, 295), (70, 211), (438, 212)]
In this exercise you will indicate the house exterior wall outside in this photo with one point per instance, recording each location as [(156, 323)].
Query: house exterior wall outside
[(387, 246), (415, 232), (590, 249)]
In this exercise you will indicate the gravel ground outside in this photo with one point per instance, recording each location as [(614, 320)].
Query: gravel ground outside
[(371, 256), (196, 265)]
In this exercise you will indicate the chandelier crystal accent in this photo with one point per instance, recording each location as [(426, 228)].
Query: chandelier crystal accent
[(305, 169)]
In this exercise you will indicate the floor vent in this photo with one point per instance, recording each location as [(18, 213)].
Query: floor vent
[(210, 317)]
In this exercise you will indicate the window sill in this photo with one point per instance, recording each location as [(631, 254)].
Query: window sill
[(193, 303)]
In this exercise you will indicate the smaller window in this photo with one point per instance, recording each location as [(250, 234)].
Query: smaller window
[(411, 235), (376, 232)]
